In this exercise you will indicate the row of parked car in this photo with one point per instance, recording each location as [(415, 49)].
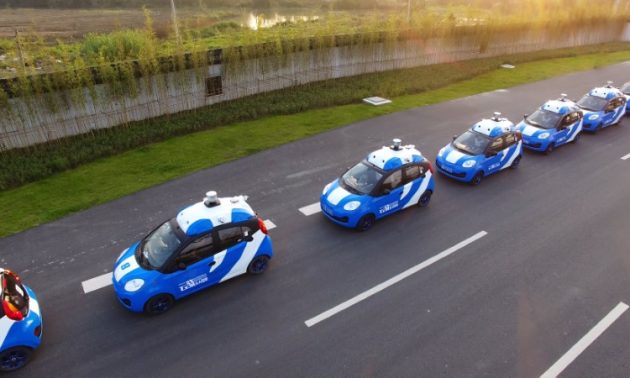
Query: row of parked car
[(220, 238)]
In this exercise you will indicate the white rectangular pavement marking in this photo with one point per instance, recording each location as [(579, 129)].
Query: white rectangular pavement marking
[(392, 281), (105, 280), (625, 157), (311, 209), (585, 341), (96, 283), (270, 225)]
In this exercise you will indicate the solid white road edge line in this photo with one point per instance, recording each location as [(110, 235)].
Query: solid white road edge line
[(625, 157), (585, 341), (392, 281), (105, 280), (96, 283), (311, 209)]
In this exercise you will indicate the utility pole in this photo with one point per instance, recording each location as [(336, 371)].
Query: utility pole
[(174, 15), (19, 47)]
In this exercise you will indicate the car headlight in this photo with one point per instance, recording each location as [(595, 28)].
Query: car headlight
[(441, 151), (122, 253), (134, 285), (326, 188), (593, 117), (543, 135), (352, 205), (469, 163)]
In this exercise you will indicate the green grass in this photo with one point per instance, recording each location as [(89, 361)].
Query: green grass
[(116, 176)]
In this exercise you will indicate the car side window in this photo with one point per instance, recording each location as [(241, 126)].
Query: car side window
[(496, 145), (392, 181), (509, 139), (234, 235), (412, 172), (197, 250)]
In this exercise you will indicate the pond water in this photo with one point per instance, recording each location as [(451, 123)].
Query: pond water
[(256, 21)]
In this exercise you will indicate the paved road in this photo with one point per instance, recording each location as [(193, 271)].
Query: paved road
[(553, 264)]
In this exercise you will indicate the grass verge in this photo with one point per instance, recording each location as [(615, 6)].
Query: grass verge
[(114, 177)]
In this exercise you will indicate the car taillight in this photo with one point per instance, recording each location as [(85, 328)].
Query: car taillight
[(38, 331), (262, 226), (519, 135), (431, 168), (11, 311)]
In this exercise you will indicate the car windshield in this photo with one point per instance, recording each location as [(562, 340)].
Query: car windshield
[(160, 245), (592, 103), (13, 293), (471, 142), (544, 119), (361, 178), (626, 88)]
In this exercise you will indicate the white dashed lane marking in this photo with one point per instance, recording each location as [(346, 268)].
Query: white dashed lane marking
[(625, 157), (311, 209), (585, 341), (392, 281), (96, 283), (105, 280)]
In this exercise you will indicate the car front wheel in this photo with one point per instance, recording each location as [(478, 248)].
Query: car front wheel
[(516, 162), (159, 304), (366, 222), (476, 180), (14, 358)]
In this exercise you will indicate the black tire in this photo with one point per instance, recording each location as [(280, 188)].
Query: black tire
[(476, 180), (425, 198), (258, 265), (550, 148), (159, 304), (15, 358), (366, 222), (516, 162), (577, 137)]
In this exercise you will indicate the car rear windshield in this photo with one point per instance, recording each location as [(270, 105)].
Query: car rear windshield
[(592, 103), (13, 293), (361, 178), (544, 119), (471, 142), (160, 245)]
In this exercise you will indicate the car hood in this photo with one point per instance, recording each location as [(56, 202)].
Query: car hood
[(127, 268), (450, 155), (336, 195), (530, 131)]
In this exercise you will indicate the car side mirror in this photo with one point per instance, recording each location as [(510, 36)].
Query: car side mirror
[(455, 137), (248, 238), (386, 191), (525, 116), (181, 266)]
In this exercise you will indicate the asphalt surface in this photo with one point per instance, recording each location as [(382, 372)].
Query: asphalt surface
[(554, 262)]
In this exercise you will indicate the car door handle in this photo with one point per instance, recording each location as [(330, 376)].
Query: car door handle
[(211, 263)]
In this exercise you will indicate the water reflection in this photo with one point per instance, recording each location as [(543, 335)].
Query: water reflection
[(256, 21)]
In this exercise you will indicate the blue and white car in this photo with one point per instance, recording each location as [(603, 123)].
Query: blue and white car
[(602, 107), (205, 244), (555, 123), (20, 322), (488, 147), (386, 181), (625, 89)]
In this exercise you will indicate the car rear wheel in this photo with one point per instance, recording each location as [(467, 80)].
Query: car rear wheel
[(516, 162), (366, 222), (577, 137), (258, 265), (14, 358), (476, 180), (425, 198), (159, 304)]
